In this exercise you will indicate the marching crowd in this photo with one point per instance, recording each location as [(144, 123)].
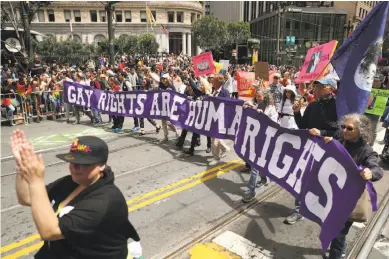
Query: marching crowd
[(281, 100)]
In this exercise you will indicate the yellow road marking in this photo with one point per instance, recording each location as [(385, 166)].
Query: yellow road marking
[(20, 243), (32, 238), (183, 188), (170, 186), (24, 251), (211, 251)]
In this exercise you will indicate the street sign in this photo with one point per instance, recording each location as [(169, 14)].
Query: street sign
[(292, 40), (287, 40)]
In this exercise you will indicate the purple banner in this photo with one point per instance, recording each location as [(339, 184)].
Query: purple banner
[(322, 176)]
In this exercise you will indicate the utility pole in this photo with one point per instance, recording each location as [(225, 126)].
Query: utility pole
[(109, 8), (278, 31), (24, 15)]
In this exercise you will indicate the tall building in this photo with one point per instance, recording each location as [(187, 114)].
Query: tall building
[(288, 29), (228, 11), (87, 21), (207, 7)]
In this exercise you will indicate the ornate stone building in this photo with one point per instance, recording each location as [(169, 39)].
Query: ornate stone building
[(87, 21)]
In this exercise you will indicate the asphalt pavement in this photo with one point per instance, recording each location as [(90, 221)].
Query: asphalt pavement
[(172, 198)]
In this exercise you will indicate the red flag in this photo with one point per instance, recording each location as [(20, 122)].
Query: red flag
[(164, 30)]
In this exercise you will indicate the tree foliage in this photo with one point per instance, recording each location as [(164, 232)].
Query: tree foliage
[(209, 33), (212, 34), (238, 32), (147, 44), (70, 51)]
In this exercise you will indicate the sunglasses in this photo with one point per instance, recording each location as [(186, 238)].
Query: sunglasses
[(349, 128)]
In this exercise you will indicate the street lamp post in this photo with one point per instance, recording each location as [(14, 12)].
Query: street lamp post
[(24, 15)]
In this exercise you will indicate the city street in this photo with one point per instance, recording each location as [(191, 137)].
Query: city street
[(172, 198)]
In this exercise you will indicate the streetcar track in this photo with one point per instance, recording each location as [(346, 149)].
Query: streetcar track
[(47, 150), (110, 152), (223, 222), (116, 176)]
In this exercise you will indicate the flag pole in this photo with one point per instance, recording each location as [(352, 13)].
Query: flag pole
[(147, 20)]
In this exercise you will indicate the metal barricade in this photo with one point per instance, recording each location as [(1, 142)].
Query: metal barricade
[(13, 102)]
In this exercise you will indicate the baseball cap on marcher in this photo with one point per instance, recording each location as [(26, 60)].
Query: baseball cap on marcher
[(86, 150)]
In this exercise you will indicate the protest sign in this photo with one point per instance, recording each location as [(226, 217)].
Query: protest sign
[(262, 70), (218, 67), (378, 104), (225, 63), (322, 176), (316, 62), (203, 64), (245, 84)]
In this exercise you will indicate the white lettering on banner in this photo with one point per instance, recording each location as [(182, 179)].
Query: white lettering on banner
[(113, 107), (329, 167), (101, 103), (131, 97), (252, 129), (216, 116), (141, 106), (232, 131), (192, 114), (80, 98), (176, 100), (202, 110), (274, 169), (301, 166), (120, 99), (165, 104), (154, 106), (270, 133), (72, 96), (88, 94)]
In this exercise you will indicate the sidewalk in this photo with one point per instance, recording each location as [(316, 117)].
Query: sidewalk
[(261, 233)]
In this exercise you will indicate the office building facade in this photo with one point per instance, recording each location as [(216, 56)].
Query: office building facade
[(87, 21)]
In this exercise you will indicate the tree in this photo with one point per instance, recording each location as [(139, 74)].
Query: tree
[(131, 46), (238, 32), (70, 51), (147, 45), (210, 33), (20, 15)]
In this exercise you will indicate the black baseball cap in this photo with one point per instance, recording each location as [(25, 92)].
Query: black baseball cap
[(86, 150)]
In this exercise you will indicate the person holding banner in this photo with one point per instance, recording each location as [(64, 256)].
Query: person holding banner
[(263, 102), (165, 84), (219, 148), (354, 134), (320, 118)]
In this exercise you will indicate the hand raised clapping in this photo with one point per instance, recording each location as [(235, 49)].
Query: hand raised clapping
[(29, 165)]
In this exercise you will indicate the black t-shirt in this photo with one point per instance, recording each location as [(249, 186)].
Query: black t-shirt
[(94, 224)]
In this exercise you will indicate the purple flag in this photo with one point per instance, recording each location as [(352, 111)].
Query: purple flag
[(322, 176), (356, 62)]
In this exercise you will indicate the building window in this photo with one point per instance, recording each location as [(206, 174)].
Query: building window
[(77, 16), (192, 18), (360, 12), (93, 16), (170, 16), (119, 16), (143, 17), (103, 16), (51, 15), (154, 13), (68, 15), (180, 17), (41, 15), (127, 15), (287, 25), (198, 17), (296, 25)]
